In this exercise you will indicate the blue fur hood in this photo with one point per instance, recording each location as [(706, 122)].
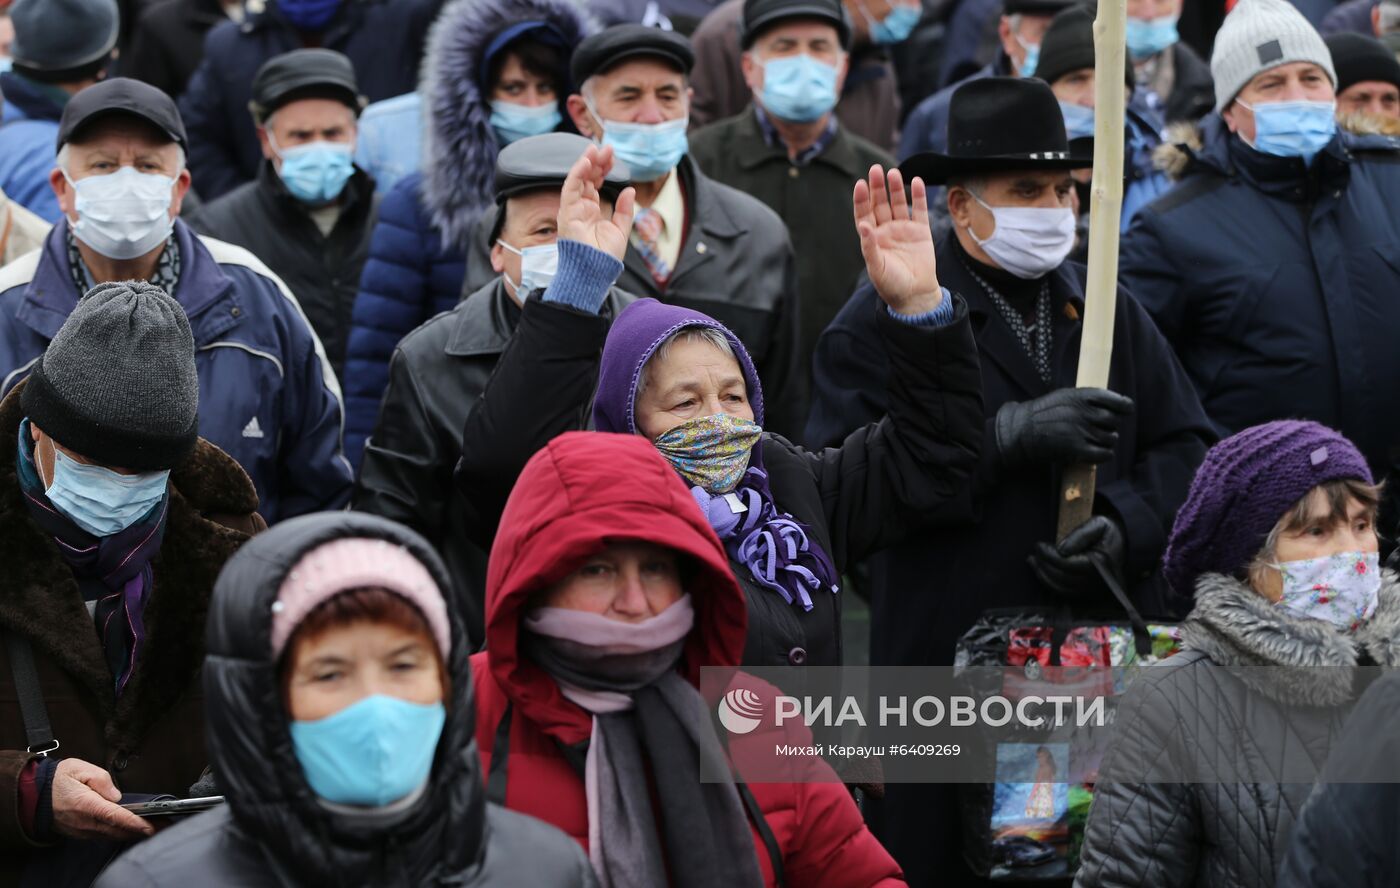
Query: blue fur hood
[(459, 146)]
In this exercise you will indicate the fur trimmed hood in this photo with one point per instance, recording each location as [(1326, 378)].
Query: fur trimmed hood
[(1287, 658), (459, 145), (1185, 142)]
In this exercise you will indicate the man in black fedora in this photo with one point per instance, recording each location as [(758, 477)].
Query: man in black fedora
[(1008, 184)]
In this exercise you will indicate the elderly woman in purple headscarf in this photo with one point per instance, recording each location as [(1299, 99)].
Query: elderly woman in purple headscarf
[(790, 519)]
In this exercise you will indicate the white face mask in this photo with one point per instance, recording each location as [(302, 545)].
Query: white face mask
[(537, 267), (1028, 241), (124, 214)]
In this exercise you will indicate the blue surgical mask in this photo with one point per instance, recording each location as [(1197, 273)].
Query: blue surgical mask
[(896, 26), (512, 122), (798, 88), (1293, 129), (316, 172), (372, 752), (650, 150), (1147, 37), (309, 15), (99, 500), (1079, 120), (537, 267), (1032, 57)]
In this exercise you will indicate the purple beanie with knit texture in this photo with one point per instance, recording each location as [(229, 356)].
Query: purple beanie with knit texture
[(1245, 485)]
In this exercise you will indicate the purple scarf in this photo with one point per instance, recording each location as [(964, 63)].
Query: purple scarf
[(777, 551), (771, 544), (114, 571)]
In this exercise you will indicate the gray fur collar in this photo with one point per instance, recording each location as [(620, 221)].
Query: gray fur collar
[(1289, 659)]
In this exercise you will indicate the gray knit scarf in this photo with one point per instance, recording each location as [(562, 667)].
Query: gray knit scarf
[(645, 712)]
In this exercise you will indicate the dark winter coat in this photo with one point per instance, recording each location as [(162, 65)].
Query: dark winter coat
[(927, 592), (437, 375), (168, 42), (1215, 749), (267, 395), (151, 739), (1348, 835), (869, 103), (1193, 89), (274, 831), (383, 39), (418, 251), (853, 500), (557, 516), (1276, 285), (815, 203), (322, 271), (1008, 510)]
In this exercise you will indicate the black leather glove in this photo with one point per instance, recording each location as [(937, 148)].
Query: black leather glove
[(1068, 426), (1068, 569)]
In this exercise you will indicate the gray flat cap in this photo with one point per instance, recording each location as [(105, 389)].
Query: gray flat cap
[(544, 162)]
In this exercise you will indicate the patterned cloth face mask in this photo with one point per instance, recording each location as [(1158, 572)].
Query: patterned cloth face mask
[(1341, 589), (711, 452)]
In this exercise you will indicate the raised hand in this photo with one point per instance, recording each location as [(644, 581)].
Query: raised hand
[(581, 216), (897, 244)]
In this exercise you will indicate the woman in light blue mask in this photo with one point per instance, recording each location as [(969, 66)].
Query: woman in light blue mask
[(341, 712), (1277, 545)]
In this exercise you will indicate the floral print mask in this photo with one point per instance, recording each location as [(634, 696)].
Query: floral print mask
[(711, 451), (1341, 589)]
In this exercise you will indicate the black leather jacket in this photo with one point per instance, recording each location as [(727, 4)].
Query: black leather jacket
[(436, 376)]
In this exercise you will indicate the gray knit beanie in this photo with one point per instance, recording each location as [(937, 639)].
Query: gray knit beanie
[(1258, 35), (117, 384)]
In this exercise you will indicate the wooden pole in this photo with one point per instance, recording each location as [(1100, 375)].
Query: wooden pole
[(1105, 213)]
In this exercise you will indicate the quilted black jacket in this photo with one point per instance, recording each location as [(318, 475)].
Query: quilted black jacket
[(1218, 747)]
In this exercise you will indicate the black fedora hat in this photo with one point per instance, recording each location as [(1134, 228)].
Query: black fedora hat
[(997, 124)]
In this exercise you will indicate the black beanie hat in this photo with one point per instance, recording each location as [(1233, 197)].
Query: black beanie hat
[(1068, 45), (1358, 58)]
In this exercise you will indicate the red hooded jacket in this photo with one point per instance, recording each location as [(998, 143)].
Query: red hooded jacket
[(582, 491)]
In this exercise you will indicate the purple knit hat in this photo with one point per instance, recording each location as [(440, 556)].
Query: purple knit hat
[(1245, 485)]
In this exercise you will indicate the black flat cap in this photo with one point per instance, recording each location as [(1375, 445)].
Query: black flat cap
[(304, 74), (1358, 58), (601, 51), (120, 95), (544, 162), (759, 14)]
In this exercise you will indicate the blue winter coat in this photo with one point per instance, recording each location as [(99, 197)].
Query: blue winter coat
[(418, 252), (267, 395), (1279, 286), (28, 130), (409, 277), (383, 38)]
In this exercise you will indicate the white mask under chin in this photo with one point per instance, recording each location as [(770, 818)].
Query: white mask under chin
[(1028, 241)]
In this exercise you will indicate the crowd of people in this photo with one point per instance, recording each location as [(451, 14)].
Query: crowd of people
[(409, 398)]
